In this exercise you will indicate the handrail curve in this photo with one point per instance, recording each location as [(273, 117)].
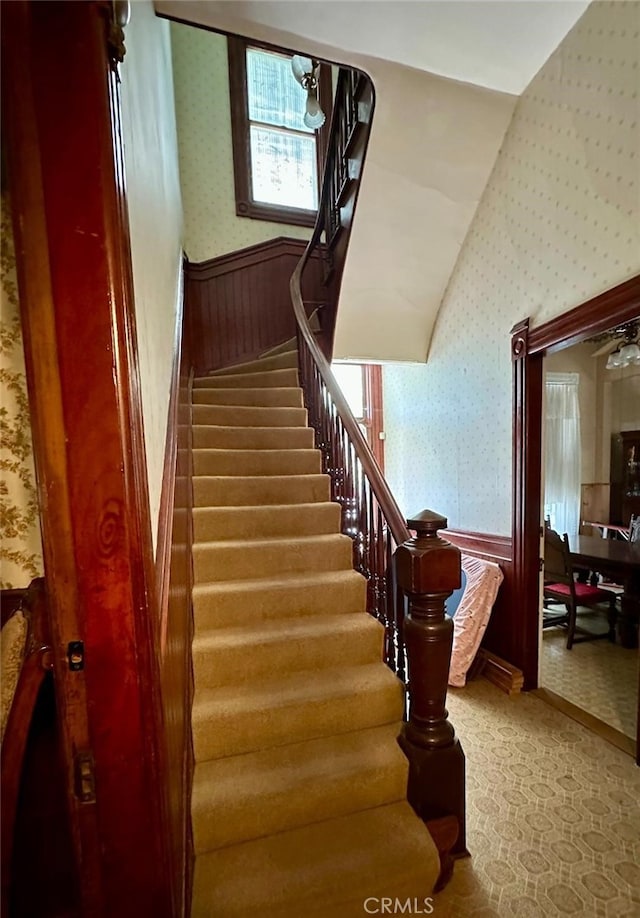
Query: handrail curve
[(379, 484), (407, 580), (370, 514)]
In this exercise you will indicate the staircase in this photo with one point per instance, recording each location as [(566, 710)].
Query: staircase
[(299, 794)]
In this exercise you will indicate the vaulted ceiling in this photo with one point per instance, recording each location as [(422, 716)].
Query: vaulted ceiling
[(447, 74)]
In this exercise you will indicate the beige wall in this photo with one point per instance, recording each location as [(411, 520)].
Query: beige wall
[(432, 147), (609, 403), (558, 223), (625, 400), (433, 144), (203, 113), (155, 215)]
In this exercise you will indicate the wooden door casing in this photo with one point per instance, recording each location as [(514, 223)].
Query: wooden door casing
[(64, 153), (529, 346)]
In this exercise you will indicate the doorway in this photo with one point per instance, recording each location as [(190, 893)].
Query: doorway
[(529, 347), (588, 408)]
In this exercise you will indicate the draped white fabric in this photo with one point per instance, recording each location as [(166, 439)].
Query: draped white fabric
[(562, 452)]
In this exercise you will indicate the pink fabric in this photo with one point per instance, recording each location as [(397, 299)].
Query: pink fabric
[(472, 616), (582, 590)]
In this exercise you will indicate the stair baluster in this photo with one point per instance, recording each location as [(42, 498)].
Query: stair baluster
[(424, 569)]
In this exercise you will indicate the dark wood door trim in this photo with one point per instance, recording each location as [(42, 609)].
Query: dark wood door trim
[(66, 176), (23, 159), (374, 410), (525, 536), (614, 307)]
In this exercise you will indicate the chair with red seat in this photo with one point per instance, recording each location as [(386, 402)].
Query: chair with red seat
[(560, 586)]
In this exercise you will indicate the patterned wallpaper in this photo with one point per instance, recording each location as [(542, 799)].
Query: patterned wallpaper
[(558, 223), (203, 114), (21, 548)]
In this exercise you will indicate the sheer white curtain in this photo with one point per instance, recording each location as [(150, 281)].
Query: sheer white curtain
[(562, 452)]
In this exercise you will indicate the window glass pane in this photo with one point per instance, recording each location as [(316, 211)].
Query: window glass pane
[(275, 97), (283, 169), (349, 376)]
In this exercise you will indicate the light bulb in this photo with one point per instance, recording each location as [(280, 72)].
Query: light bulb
[(314, 117), (615, 360), (301, 66), (629, 352)]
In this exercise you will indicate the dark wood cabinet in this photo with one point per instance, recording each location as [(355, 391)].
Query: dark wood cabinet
[(625, 476)]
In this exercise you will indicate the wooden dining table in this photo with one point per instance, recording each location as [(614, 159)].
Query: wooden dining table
[(620, 562)]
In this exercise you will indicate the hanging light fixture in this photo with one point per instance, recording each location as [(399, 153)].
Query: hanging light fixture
[(306, 73), (627, 353)]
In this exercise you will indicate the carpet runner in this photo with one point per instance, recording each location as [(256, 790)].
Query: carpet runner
[(299, 795)]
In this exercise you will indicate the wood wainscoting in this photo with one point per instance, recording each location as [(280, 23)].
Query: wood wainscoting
[(497, 643), (173, 589), (238, 305)]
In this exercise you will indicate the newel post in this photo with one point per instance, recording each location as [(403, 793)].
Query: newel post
[(428, 570)]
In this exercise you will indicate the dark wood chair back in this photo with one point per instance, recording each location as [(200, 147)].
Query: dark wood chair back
[(557, 560), (560, 587)]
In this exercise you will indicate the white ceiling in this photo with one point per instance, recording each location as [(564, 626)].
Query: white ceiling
[(424, 174), (499, 44)]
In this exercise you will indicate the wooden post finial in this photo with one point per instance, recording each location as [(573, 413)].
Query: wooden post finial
[(428, 570)]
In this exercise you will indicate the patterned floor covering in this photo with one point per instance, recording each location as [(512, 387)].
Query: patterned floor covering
[(597, 676), (553, 814)]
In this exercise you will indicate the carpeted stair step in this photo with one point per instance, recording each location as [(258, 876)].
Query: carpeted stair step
[(299, 788), (282, 361), (276, 790), (243, 416), (243, 602), (240, 655), (257, 462), (207, 436), (324, 870), (217, 523), (267, 378), (289, 345), (274, 397), (247, 559), (259, 490), (293, 708)]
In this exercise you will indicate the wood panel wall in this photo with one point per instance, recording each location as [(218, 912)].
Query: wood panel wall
[(499, 636), (173, 568), (239, 305)]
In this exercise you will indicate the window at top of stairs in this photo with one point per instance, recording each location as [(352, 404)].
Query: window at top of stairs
[(277, 159)]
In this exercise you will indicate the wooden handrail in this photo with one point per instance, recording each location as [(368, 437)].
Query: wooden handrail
[(371, 469), (408, 578), (370, 515)]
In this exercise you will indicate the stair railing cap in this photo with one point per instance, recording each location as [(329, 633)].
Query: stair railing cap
[(427, 523)]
